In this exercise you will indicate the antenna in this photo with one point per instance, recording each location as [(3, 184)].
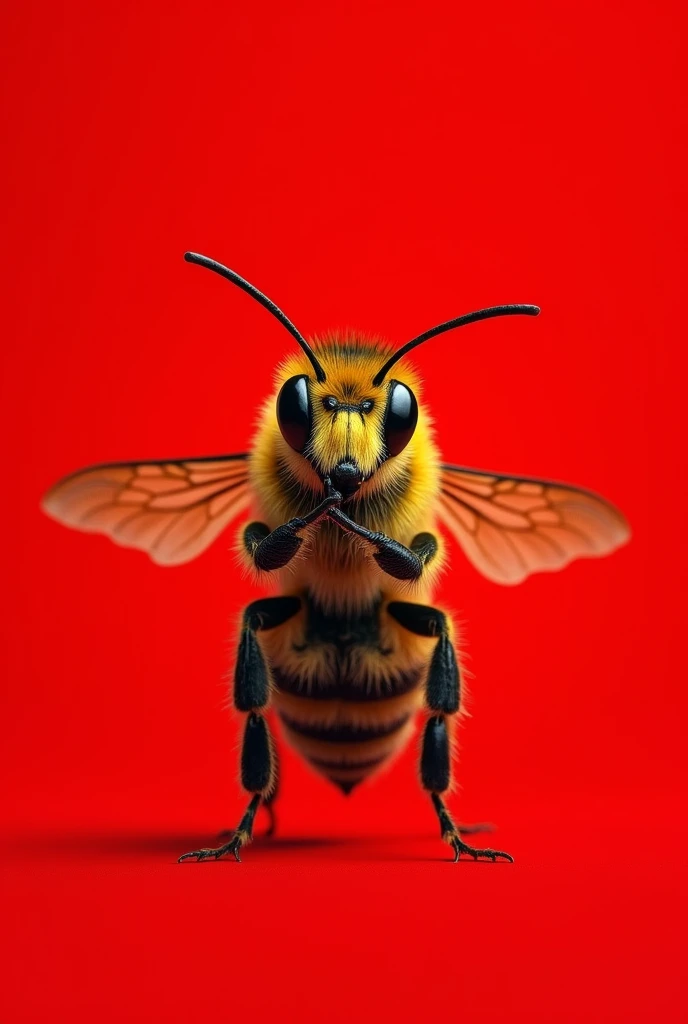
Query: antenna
[(460, 321), (231, 275)]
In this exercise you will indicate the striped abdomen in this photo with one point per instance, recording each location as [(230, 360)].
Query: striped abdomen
[(347, 740), (345, 699)]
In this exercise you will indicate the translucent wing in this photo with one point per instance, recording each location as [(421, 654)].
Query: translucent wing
[(510, 527), (171, 510)]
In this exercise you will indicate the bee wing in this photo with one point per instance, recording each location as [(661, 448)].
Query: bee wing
[(171, 510), (510, 526)]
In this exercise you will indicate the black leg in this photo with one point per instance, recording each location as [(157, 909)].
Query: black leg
[(268, 803), (421, 619), (443, 686), (451, 834), (394, 558), (251, 677), (242, 834), (257, 776), (274, 549), (251, 694), (435, 767), (435, 758), (443, 698)]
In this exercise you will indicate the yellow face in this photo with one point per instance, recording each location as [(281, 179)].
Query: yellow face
[(359, 436), (347, 423)]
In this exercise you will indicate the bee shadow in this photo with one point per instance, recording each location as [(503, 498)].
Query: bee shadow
[(87, 844)]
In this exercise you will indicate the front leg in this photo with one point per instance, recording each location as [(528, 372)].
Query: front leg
[(394, 558), (274, 549)]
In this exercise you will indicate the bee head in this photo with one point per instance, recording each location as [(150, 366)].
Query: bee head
[(340, 415), (345, 426)]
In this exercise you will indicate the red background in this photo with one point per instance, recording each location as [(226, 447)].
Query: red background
[(384, 167)]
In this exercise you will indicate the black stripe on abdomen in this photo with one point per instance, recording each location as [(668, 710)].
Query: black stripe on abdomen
[(372, 689), (343, 732)]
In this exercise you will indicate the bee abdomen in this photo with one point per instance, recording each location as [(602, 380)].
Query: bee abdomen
[(372, 688), (344, 732), (343, 741)]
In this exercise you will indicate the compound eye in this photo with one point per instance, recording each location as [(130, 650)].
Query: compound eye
[(294, 412), (400, 418)]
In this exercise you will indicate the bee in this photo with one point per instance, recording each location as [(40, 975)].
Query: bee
[(346, 489)]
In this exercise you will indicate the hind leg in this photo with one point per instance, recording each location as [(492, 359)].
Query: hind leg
[(443, 699)]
